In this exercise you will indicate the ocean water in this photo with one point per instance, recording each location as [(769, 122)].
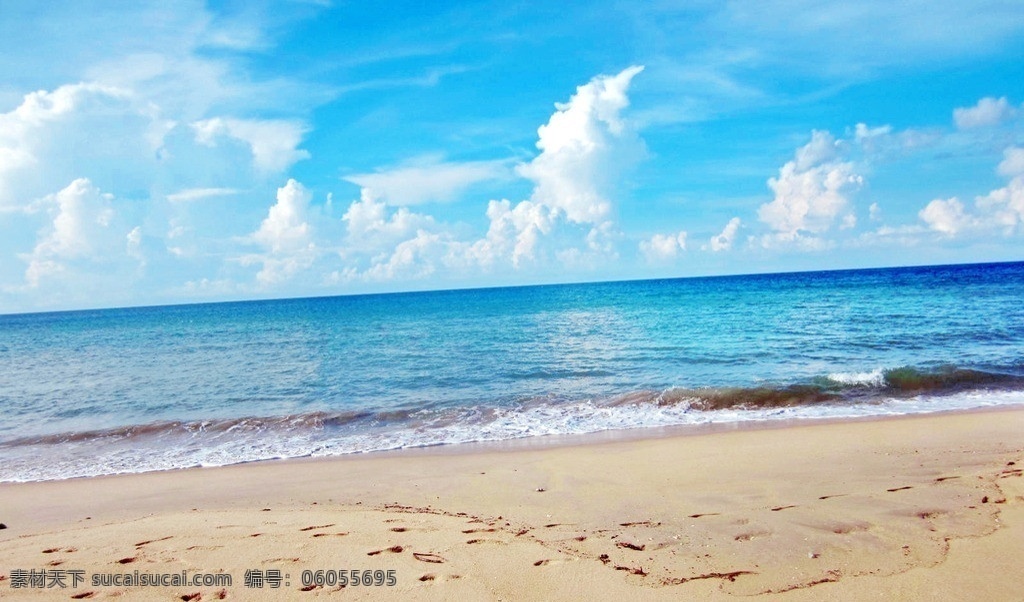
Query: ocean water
[(128, 390)]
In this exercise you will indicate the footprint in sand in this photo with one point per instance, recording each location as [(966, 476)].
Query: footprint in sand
[(392, 549), (748, 535), (427, 577), (427, 557), (494, 541), (149, 541), (314, 527)]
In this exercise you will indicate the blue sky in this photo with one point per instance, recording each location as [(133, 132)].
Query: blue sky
[(158, 153)]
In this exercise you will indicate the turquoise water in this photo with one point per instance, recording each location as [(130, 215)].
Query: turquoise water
[(127, 390)]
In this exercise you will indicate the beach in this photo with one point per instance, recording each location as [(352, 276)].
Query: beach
[(912, 507)]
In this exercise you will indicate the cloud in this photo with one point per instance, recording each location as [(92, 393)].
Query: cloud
[(663, 247), (127, 146), (723, 241), (286, 236), (134, 244), (285, 227), (988, 112), (412, 259), (81, 214), (514, 232), (863, 134), (1000, 210), (585, 146), (42, 140), (1012, 164), (430, 182), (1004, 207), (811, 191), (945, 216), (274, 142), (195, 194), (83, 242), (369, 225)]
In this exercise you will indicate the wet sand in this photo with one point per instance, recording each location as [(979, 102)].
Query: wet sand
[(900, 508)]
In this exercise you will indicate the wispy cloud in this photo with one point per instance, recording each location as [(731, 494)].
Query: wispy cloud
[(429, 179), (196, 194)]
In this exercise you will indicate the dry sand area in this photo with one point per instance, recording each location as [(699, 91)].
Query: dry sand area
[(913, 508)]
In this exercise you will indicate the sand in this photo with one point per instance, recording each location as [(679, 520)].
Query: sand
[(911, 508)]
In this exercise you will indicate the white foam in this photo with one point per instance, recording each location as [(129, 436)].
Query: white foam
[(875, 378), (93, 458)]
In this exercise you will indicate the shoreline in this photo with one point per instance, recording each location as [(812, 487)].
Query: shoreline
[(864, 505), (568, 440)]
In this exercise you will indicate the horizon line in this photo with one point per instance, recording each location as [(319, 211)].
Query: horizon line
[(499, 287)]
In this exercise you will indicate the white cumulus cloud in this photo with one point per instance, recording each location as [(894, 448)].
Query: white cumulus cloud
[(77, 130), (514, 232), (274, 142), (1012, 164), (724, 240), (663, 247), (1000, 210), (811, 191), (369, 224), (82, 245), (988, 112), (285, 227), (1005, 206), (585, 146), (945, 216), (414, 258), (286, 236)]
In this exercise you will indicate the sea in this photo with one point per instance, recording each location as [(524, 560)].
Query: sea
[(85, 393)]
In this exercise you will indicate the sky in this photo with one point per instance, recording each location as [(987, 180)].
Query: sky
[(160, 153)]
